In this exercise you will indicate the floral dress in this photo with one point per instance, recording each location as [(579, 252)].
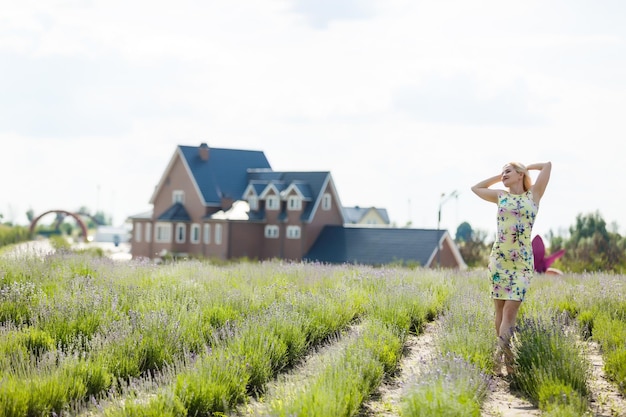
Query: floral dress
[(511, 264)]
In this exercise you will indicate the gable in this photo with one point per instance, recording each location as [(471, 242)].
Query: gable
[(359, 215), (373, 217), (254, 189), (300, 189), (310, 185), (176, 212), (222, 175)]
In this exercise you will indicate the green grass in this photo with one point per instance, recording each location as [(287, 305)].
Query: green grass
[(450, 386), (194, 338), (347, 377), (611, 335), (550, 363)]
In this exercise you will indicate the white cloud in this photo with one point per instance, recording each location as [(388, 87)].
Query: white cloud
[(400, 100), (460, 100), (320, 13)]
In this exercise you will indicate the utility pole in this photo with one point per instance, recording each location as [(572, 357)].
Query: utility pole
[(442, 200)]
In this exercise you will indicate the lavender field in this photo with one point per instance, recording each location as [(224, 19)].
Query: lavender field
[(83, 335)]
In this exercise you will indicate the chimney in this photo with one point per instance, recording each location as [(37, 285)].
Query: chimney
[(203, 151)]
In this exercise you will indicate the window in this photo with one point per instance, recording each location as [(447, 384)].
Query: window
[(195, 233), (253, 201), (218, 234), (272, 202), (294, 202), (137, 232), (178, 196), (271, 231), (207, 234), (293, 232), (326, 201), (180, 233), (148, 232), (163, 232)]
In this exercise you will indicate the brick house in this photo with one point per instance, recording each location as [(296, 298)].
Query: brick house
[(229, 203), (366, 216)]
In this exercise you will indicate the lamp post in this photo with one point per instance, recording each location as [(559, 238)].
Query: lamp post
[(444, 197)]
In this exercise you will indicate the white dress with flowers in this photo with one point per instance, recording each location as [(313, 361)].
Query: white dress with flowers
[(511, 265)]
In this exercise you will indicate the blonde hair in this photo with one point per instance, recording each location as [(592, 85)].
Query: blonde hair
[(521, 168)]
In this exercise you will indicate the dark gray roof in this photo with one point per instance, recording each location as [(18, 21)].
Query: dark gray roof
[(374, 246), (176, 212), (304, 189), (225, 173), (310, 184), (258, 186)]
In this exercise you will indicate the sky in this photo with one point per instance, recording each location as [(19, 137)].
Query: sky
[(408, 103)]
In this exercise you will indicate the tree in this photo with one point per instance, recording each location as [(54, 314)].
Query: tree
[(592, 247), (30, 215), (464, 232), (472, 245), (101, 219), (94, 220)]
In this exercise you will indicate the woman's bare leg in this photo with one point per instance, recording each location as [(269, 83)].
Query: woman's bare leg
[(506, 329), (499, 305), (497, 357)]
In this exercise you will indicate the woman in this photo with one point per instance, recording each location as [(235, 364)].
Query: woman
[(511, 265)]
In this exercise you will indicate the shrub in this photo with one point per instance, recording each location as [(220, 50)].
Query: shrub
[(450, 387), (161, 406), (13, 398), (16, 302), (585, 319), (215, 384), (611, 335), (346, 376), (37, 341), (463, 330), (557, 397), (94, 376), (615, 367), (547, 353), (10, 235), (60, 243)]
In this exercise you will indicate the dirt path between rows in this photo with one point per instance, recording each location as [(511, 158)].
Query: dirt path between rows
[(420, 352), (606, 400)]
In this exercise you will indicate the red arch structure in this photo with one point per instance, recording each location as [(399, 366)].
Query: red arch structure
[(80, 221)]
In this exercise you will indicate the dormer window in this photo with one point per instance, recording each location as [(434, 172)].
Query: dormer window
[(294, 202), (178, 196), (272, 202)]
